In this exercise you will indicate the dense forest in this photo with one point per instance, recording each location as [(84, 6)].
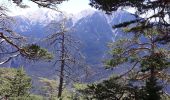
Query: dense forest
[(141, 48)]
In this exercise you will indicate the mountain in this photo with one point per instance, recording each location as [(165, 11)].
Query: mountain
[(92, 28)]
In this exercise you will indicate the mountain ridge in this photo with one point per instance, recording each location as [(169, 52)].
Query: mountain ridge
[(92, 28)]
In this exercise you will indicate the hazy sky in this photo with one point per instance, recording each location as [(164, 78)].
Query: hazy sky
[(74, 6), (71, 6)]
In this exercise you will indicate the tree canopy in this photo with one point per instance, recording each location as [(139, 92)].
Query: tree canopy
[(43, 3), (14, 83), (156, 13), (11, 39)]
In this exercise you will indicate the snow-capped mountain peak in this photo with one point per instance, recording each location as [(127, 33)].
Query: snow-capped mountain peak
[(42, 16)]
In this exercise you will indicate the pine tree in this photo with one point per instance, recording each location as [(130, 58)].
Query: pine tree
[(159, 9), (152, 89), (148, 58), (15, 84), (20, 84), (13, 44), (155, 60)]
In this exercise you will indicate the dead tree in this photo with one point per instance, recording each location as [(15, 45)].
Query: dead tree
[(68, 55)]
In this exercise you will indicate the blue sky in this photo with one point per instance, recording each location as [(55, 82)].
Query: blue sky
[(71, 6)]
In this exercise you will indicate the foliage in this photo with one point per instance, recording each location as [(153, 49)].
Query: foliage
[(145, 48), (152, 89), (5, 75), (44, 3), (35, 97), (105, 91), (12, 42), (14, 83), (159, 9), (159, 60), (34, 51), (20, 84), (50, 88), (111, 89), (79, 86), (147, 57), (31, 97)]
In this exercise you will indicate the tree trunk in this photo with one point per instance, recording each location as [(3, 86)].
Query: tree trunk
[(60, 88)]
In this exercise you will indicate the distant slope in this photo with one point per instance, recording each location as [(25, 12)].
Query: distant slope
[(92, 28)]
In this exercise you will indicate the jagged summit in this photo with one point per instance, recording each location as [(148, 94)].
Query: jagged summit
[(45, 16), (35, 22)]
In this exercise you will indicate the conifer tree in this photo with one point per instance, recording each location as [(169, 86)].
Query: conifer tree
[(151, 58), (20, 84), (156, 11), (13, 44), (140, 54), (15, 84), (146, 48)]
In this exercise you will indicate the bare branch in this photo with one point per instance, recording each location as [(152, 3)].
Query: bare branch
[(9, 58)]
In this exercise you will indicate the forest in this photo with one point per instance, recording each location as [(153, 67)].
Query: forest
[(118, 51)]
